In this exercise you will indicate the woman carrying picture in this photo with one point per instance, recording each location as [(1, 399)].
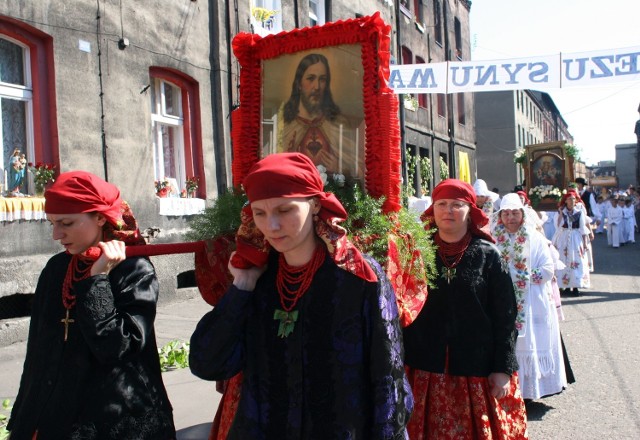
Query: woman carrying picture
[(310, 321), (92, 369)]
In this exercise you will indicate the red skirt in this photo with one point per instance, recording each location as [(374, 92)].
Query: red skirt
[(461, 407), (226, 409)]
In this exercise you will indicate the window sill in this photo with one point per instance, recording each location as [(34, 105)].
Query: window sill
[(178, 207)]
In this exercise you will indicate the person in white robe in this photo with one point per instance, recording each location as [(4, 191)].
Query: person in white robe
[(538, 347), (614, 219), (484, 198), (572, 241)]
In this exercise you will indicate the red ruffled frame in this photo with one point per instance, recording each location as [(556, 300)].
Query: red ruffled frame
[(382, 133)]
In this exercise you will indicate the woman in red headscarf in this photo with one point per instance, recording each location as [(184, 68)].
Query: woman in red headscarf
[(92, 369), (572, 241), (310, 321), (460, 350)]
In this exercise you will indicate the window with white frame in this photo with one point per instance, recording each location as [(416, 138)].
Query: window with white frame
[(316, 12), (266, 16), (168, 127), (16, 106), (175, 123)]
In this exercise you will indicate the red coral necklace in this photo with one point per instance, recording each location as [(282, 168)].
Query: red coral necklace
[(79, 268), (292, 283), (451, 254)]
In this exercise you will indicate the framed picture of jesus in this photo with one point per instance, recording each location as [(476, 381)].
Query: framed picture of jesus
[(321, 91)]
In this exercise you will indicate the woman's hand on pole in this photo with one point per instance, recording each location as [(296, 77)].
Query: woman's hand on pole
[(245, 279), (113, 253)]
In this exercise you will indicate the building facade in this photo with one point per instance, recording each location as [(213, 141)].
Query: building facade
[(627, 165), (130, 92), (510, 120), (139, 92), (436, 127)]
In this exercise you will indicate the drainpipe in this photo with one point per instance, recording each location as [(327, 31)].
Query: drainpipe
[(450, 120), (401, 115), (433, 137)]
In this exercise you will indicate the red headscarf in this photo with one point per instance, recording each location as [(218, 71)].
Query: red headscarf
[(293, 175), (77, 192), (569, 193), (525, 198), (458, 190)]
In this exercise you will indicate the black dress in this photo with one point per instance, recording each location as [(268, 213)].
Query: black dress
[(104, 382), (467, 326), (338, 375)]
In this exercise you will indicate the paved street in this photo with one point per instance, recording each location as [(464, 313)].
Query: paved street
[(601, 332)]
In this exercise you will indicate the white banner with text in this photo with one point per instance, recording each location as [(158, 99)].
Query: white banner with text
[(537, 73)]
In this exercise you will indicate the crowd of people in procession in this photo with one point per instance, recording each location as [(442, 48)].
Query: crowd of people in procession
[(310, 327)]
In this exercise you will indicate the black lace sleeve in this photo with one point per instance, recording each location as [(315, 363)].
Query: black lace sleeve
[(116, 313)]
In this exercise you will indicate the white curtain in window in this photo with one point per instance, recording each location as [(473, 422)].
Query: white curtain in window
[(15, 105), (168, 126)]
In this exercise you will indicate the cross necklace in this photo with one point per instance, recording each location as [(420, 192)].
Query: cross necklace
[(66, 321)]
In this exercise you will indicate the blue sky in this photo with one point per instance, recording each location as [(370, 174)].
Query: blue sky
[(598, 117)]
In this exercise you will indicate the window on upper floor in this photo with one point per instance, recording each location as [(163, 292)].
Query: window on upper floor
[(418, 11), (27, 103), (422, 97), (442, 105), (175, 124), (266, 16), (405, 7), (316, 12), (462, 117), (437, 22), (519, 137), (458, 31), (407, 58), (407, 55)]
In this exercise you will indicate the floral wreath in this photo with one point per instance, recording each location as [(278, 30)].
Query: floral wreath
[(514, 257)]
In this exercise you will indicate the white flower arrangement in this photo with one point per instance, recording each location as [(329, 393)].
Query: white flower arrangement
[(339, 179), (537, 193), (520, 156), (323, 173)]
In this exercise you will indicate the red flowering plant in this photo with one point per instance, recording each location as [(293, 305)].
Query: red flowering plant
[(43, 173), (191, 184), (162, 187)]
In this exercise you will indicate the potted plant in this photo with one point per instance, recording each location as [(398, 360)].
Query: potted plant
[(162, 188), (191, 185)]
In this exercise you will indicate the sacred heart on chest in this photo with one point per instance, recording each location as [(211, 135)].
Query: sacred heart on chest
[(313, 142), (314, 147)]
